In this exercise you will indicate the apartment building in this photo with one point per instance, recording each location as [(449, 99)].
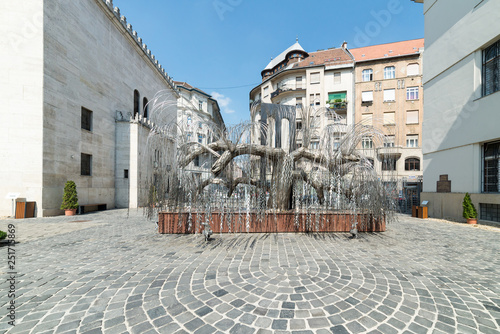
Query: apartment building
[(389, 96), (310, 82), (199, 121)]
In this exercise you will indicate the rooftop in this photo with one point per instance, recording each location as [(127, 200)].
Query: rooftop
[(334, 56), (388, 50), (281, 57)]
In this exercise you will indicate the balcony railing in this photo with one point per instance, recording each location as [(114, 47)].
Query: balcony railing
[(286, 88), (340, 106)]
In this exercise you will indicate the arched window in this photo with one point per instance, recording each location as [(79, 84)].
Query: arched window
[(145, 106), (137, 102), (412, 164), (368, 74)]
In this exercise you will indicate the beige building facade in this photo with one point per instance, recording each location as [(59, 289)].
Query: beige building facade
[(389, 96)]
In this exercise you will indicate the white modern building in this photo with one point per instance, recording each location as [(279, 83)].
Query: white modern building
[(461, 134), (75, 80)]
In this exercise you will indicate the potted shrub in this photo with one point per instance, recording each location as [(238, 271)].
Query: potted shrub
[(70, 199), (470, 212)]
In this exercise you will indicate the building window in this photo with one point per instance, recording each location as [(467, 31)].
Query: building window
[(389, 164), (137, 102), (315, 121), (200, 138), (412, 117), (86, 119), (189, 121), (298, 83), (298, 102), (188, 136), (86, 164), (336, 143), (489, 211), (367, 96), (412, 141), (314, 145), (367, 119), (412, 69), (412, 164), (389, 95), (200, 125), (337, 78), (314, 78), (368, 75), (371, 162), (197, 161), (266, 92), (389, 141), (200, 105), (491, 69), (317, 99), (145, 105), (412, 93), (298, 125), (389, 72), (491, 163), (125, 173), (367, 142), (389, 118)]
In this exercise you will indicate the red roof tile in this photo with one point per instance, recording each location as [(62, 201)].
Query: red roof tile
[(387, 50), (326, 57)]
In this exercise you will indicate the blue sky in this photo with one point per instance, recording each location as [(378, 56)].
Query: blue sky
[(221, 46)]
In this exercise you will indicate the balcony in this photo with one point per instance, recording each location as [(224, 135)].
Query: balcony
[(287, 88), (394, 151), (338, 105)]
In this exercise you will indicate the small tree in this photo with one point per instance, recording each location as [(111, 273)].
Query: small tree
[(469, 209), (70, 197)]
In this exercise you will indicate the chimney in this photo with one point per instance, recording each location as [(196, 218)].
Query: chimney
[(344, 45)]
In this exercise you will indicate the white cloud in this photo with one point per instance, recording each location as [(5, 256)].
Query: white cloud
[(223, 101)]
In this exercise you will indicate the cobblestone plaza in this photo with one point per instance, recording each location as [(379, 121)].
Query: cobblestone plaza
[(111, 272)]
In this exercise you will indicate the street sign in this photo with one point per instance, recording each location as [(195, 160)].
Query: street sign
[(12, 195)]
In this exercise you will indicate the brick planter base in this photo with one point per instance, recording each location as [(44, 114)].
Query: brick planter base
[(178, 223)]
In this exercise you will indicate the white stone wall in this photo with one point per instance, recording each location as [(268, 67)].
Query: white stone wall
[(58, 57), (21, 92), (91, 61), (457, 119)]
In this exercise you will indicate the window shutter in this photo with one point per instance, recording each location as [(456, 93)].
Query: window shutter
[(314, 77), (389, 118), (389, 95), (367, 96), (412, 117), (367, 119)]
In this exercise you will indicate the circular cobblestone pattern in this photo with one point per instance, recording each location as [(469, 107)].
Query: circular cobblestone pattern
[(117, 275)]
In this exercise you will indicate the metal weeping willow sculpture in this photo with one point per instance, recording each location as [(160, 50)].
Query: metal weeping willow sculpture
[(268, 171)]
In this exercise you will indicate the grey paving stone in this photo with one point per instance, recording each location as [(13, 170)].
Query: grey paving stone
[(279, 324), (363, 286), (241, 329), (339, 329)]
